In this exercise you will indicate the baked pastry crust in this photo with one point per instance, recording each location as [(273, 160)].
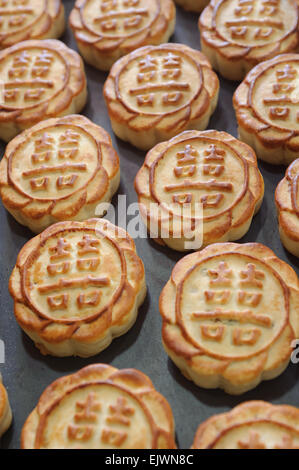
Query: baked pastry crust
[(173, 88), (266, 109), (235, 36), (40, 80), (108, 29), (192, 5), (208, 168), (100, 407), (59, 169), (286, 199), (217, 326), (76, 286), (30, 19), (5, 410), (251, 425)]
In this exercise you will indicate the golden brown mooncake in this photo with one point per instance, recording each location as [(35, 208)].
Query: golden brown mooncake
[(201, 186), (76, 286), (286, 199), (5, 410), (59, 169), (100, 407), (230, 315), (106, 30), (251, 425), (236, 35), (267, 111), (30, 19), (157, 92), (39, 80)]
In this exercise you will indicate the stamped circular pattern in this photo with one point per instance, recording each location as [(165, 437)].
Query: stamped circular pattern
[(255, 23), (274, 95), (25, 19), (251, 425), (199, 184), (156, 92), (100, 407), (203, 171), (96, 417), (106, 30), (267, 108), (158, 82), (39, 79), (230, 319), (237, 35), (229, 315), (116, 19), (59, 169), (76, 286), (55, 162), (17, 15), (30, 77), (68, 278)]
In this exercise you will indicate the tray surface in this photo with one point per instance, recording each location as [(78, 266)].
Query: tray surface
[(26, 373)]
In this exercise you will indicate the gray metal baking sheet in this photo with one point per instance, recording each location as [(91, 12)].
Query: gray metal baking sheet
[(26, 373)]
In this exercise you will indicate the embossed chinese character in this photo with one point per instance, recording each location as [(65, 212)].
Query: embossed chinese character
[(253, 442), (86, 415)]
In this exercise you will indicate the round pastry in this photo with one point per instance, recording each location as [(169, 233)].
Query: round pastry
[(106, 30), (60, 169), (192, 5), (267, 109), (30, 19), (76, 286), (156, 92), (287, 204), (218, 327), (251, 425), (5, 410), (236, 34), (100, 407), (39, 79), (200, 187)]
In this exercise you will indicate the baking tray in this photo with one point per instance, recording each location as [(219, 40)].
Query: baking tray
[(26, 373)]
